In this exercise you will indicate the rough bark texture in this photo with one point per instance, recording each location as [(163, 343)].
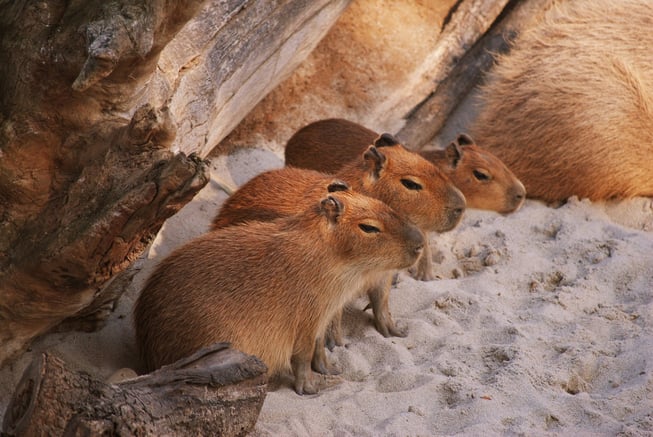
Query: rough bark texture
[(427, 119), (217, 391), (100, 104)]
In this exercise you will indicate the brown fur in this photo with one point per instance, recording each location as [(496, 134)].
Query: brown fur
[(570, 108), (327, 145), (270, 288), (378, 173)]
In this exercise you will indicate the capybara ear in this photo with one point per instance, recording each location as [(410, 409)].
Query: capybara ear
[(337, 185), (386, 140), (375, 159), (464, 140), (332, 208), (454, 153)]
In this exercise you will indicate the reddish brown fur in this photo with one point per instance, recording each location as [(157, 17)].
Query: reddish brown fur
[(570, 108), (270, 288), (438, 206), (327, 145)]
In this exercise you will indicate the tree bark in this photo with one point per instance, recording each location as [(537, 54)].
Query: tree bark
[(84, 188), (216, 391), (427, 119), (106, 108)]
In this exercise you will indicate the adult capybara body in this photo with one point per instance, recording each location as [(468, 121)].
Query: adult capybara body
[(327, 145), (271, 288), (570, 108)]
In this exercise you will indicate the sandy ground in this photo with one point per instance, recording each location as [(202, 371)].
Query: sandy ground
[(541, 324)]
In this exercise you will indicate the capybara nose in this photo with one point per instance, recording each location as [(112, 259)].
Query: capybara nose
[(457, 204), (520, 193), (456, 213), (518, 197), (415, 240)]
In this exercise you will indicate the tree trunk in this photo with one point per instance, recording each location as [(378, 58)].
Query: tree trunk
[(216, 391), (106, 108)]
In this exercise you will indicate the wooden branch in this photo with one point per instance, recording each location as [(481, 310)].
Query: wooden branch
[(216, 391), (427, 119)]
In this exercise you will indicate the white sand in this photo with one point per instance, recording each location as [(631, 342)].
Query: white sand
[(542, 324)]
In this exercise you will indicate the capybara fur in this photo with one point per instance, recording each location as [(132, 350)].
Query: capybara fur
[(327, 145), (570, 108), (386, 170), (271, 288)]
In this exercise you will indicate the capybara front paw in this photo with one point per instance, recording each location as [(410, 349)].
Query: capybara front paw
[(397, 331), (319, 363), (422, 274), (390, 329), (330, 341), (306, 386), (333, 339), (322, 366)]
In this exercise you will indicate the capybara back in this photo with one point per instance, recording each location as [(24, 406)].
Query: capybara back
[(570, 108)]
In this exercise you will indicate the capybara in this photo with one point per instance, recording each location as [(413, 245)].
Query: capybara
[(387, 171), (327, 145), (271, 288), (570, 108)]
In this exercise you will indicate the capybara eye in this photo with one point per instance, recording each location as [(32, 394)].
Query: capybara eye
[(481, 175), (369, 229), (411, 185)]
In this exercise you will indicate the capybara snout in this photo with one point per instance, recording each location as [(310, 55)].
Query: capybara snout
[(515, 199), (415, 241), (454, 209)]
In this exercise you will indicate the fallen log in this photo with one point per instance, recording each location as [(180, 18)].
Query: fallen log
[(216, 391)]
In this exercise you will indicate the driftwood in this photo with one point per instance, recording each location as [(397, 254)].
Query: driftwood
[(216, 391), (107, 109), (426, 120)]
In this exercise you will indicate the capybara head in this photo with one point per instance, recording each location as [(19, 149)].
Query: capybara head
[(369, 233), (484, 178), (410, 184)]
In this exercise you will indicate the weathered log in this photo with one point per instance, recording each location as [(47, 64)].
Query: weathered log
[(84, 186), (106, 108), (253, 52), (216, 391), (427, 119)]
